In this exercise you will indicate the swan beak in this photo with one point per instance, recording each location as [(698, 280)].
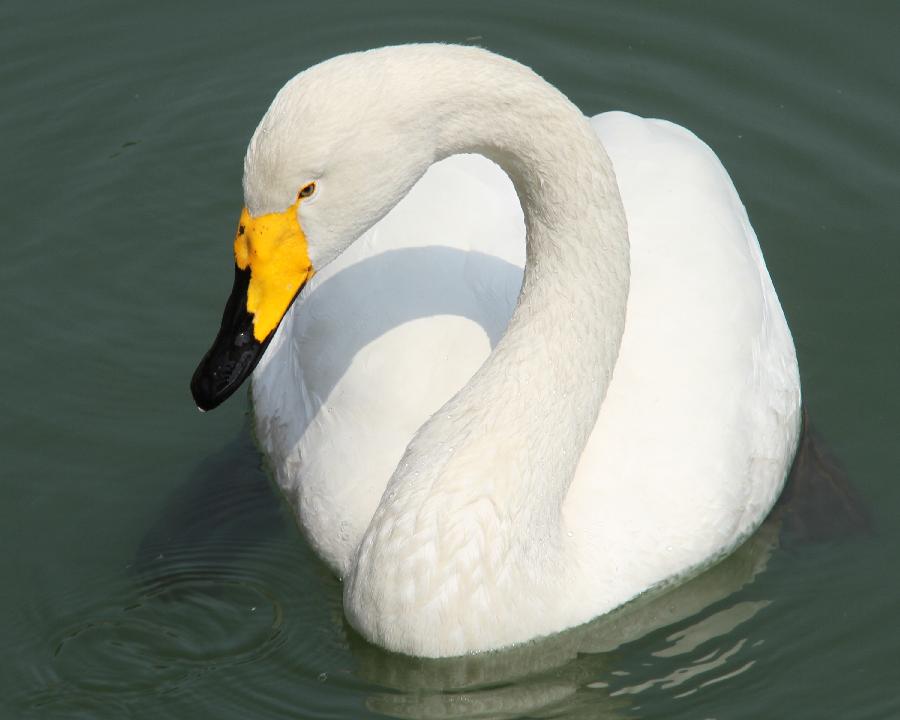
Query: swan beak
[(271, 267)]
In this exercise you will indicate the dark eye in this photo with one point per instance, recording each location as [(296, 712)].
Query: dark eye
[(306, 191)]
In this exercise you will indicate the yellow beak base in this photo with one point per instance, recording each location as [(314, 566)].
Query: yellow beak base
[(273, 247)]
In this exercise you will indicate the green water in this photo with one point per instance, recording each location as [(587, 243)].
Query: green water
[(148, 567)]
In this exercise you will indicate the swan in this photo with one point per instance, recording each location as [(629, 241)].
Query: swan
[(487, 455)]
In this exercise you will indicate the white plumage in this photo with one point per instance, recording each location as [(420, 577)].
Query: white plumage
[(635, 423)]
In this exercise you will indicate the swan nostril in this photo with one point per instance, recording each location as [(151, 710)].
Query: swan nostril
[(240, 229)]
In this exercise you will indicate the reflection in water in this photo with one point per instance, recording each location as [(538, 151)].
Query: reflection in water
[(581, 671)]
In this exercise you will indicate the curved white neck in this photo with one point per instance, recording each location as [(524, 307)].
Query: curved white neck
[(477, 498)]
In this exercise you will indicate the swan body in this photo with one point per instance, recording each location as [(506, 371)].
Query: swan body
[(536, 385)]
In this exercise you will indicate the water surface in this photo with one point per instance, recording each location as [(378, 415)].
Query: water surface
[(149, 569)]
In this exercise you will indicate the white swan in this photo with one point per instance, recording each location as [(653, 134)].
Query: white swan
[(635, 421)]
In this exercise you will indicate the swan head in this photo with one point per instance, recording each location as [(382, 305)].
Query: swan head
[(340, 145)]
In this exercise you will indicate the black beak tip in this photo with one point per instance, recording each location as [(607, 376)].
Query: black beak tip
[(203, 390), (224, 369), (234, 353)]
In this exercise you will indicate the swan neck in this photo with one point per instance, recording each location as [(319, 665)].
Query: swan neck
[(478, 494), (555, 362)]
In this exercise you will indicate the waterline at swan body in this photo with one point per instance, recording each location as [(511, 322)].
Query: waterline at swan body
[(481, 466)]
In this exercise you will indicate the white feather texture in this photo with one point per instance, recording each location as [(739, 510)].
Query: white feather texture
[(487, 456)]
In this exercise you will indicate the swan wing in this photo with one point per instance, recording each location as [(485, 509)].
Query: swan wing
[(697, 431)]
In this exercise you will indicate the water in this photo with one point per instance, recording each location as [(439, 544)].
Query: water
[(148, 567)]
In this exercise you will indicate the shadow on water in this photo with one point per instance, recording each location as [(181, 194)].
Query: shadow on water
[(819, 503), (226, 507)]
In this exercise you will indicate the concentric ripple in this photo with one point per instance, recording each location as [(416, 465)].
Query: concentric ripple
[(158, 640)]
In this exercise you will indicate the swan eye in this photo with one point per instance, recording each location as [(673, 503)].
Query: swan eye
[(306, 191)]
